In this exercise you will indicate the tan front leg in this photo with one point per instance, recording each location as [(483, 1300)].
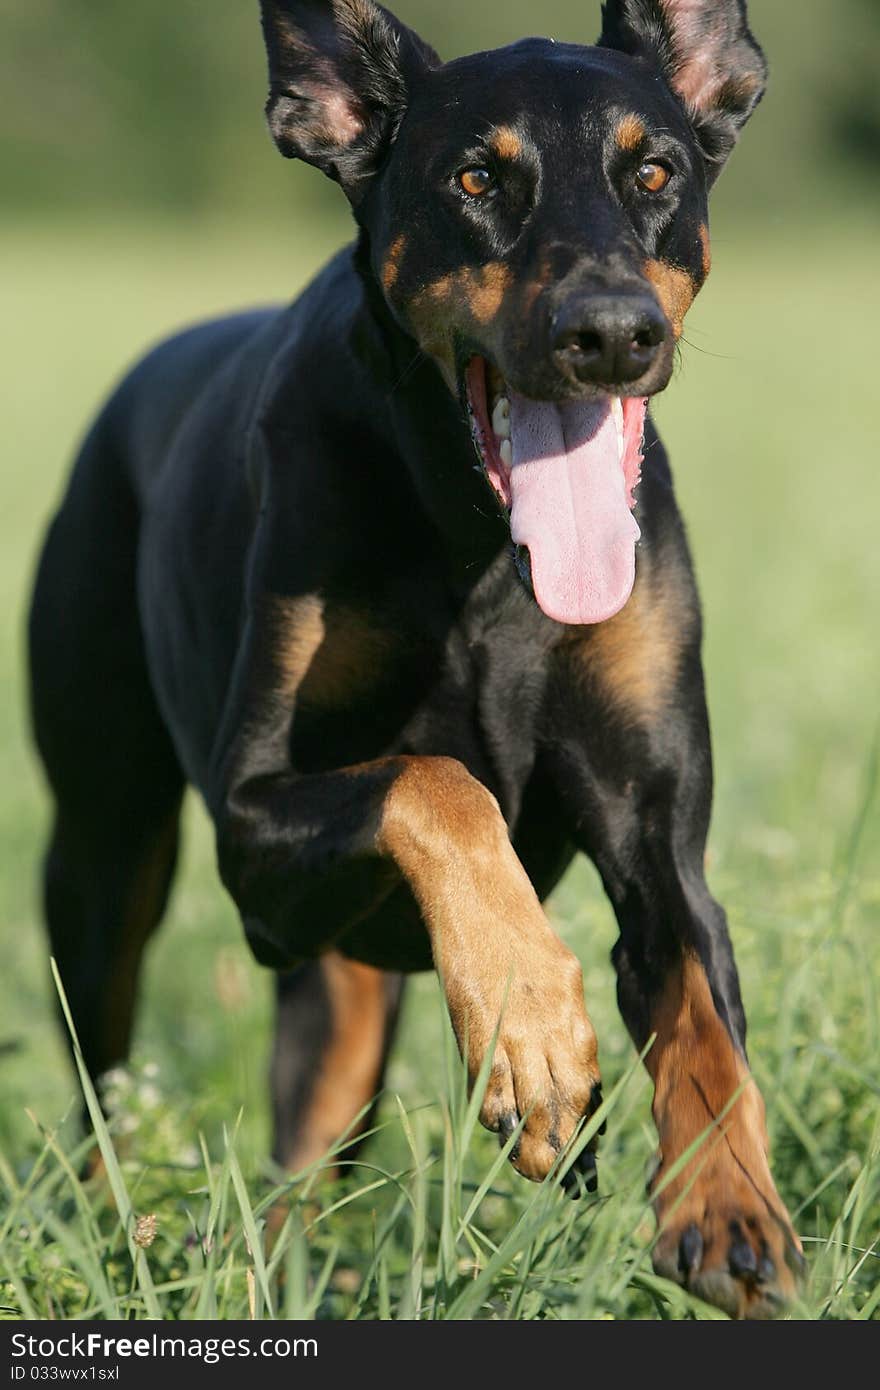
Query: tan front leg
[(497, 957), (724, 1231)]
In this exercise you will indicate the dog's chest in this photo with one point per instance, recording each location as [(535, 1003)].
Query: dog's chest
[(486, 706), (468, 684)]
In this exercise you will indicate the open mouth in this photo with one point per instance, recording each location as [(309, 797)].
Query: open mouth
[(565, 473)]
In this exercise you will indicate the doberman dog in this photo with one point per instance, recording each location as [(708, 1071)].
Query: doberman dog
[(395, 578)]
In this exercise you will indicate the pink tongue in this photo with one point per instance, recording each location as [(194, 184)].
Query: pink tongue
[(570, 507)]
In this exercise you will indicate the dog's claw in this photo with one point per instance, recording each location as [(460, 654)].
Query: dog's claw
[(586, 1166), (741, 1257), (690, 1250), (766, 1267), (596, 1101), (506, 1125), (581, 1176)]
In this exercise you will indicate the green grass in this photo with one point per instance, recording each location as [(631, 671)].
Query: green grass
[(771, 428)]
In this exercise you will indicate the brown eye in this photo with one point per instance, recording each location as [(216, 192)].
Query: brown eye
[(653, 177), (475, 182)]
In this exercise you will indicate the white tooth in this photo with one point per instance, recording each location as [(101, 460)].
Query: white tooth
[(617, 416), (501, 418), (506, 453)]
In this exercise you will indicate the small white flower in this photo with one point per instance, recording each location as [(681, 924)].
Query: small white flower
[(117, 1078)]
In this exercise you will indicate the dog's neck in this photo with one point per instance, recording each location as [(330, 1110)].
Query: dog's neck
[(429, 433)]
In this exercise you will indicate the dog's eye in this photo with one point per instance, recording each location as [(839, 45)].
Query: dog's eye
[(475, 182), (654, 177)]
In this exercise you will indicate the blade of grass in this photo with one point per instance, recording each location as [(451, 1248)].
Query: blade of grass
[(92, 1267), (252, 1234), (111, 1163), (411, 1301)]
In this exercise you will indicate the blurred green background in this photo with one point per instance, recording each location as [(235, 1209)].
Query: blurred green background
[(156, 108), (141, 190)]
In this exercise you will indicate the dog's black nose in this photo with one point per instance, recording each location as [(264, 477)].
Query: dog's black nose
[(608, 339)]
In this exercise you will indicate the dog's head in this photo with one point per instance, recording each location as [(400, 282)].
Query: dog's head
[(537, 219)]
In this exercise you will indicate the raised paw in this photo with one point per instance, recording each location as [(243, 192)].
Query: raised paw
[(513, 989), (545, 1071)]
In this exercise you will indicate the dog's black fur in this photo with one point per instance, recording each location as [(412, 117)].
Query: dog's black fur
[(278, 576)]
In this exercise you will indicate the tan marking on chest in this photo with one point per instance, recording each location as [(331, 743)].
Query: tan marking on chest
[(634, 658), (328, 656), (299, 632), (349, 663)]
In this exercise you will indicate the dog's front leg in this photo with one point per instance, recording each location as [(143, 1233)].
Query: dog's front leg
[(497, 956), (306, 856), (633, 770)]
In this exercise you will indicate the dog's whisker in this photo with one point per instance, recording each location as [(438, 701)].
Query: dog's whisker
[(417, 358), (708, 352)]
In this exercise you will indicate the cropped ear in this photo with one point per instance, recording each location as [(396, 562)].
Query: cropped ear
[(339, 81), (707, 55)]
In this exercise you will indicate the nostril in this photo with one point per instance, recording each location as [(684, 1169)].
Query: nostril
[(581, 344), (589, 343), (649, 333)]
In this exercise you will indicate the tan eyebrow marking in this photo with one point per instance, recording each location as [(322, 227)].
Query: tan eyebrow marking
[(630, 133), (506, 143)]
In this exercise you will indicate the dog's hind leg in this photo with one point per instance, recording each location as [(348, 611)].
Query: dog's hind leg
[(112, 770), (104, 894), (335, 1021)]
